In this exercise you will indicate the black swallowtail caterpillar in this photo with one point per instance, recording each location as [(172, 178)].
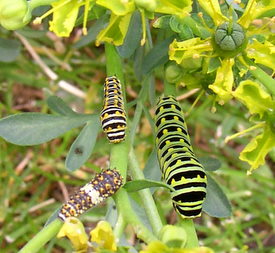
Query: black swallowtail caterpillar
[(180, 167), (101, 187), (113, 116)]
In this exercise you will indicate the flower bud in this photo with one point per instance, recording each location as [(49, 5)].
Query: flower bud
[(150, 5), (14, 14), (173, 72)]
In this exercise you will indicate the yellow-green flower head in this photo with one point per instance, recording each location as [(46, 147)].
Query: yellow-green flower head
[(230, 41)]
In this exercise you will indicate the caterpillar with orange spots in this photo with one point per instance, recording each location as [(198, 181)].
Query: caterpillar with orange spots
[(180, 167), (113, 116), (104, 185)]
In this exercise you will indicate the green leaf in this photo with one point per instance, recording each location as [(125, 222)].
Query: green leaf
[(116, 31), (133, 37), (152, 169), (83, 146), (57, 105), (157, 55), (255, 98), (9, 50), (213, 64), (254, 153), (210, 163), (216, 203), (92, 32), (36, 128), (141, 184)]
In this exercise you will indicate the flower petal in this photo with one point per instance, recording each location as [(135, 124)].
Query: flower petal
[(212, 7), (116, 31), (64, 18), (224, 80), (118, 7), (256, 99), (254, 153), (263, 53), (103, 236), (181, 8), (253, 10), (74, 230), (181, 50)]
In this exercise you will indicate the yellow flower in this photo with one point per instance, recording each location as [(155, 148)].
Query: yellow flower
[(103, 236), (74, 230)]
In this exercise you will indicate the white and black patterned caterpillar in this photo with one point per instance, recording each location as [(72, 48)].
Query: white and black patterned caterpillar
[(180, 167), (104, 185), (113, 116)]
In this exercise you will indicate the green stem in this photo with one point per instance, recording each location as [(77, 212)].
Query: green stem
[(119, 160), (145, 195), (47, 233), (192, 239), (262, 76), (130, 217)]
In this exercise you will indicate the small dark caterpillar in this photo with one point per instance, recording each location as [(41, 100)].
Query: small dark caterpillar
[(101, 187), (180, 167), (113, 116)]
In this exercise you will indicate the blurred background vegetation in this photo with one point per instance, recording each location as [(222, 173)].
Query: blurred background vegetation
[(34, 180)]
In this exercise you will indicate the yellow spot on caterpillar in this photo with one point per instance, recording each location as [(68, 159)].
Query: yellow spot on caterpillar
[(170, 149), (176, 118), (165, 131), (198, 176), (167, 142), (118, 113), (162, 120), (179, 129), (173, 181), (161, 108), (181, 140), (173, 106)]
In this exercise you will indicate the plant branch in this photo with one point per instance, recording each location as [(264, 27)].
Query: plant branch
[(40, 239), (146, 196)]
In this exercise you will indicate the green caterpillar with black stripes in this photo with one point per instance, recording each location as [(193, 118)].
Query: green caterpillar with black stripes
[(179, 165)]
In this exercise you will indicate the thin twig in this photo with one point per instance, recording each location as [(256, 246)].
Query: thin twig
[(41, 205), (187, 94), (51, 74)]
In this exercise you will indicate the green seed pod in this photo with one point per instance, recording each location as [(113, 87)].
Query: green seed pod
[(229, 37), (173, 72), (14, 14)]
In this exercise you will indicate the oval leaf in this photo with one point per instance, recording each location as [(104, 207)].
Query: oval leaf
[(141, 184), (36, 128), (133, 37), (210, 163), (59, 106), (83, 146), (216, 203)]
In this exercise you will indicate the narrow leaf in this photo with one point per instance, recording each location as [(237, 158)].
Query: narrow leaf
[(36, 128), (9, 50), (216, 203), (141, 184), (83, 146), (152, 170), (210, 163), (133, 37), (57, 105), (157, 56)]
